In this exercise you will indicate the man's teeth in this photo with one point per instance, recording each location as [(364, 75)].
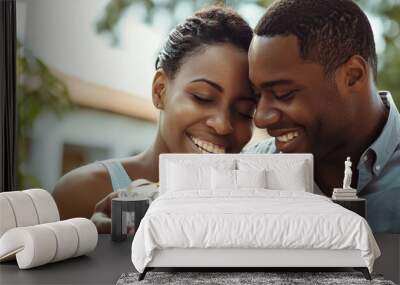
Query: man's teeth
[(288, 136), (207, 147)]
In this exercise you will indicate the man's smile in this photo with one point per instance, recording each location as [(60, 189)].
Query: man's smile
[(288, 136), (287, 140)]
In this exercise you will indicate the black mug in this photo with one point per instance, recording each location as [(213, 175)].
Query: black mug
[(126, 214)]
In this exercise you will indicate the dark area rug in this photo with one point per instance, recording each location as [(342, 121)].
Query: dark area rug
[(230, 278)]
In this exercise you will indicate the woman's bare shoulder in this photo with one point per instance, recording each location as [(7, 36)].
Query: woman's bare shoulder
[(94, 174), (77, 192)]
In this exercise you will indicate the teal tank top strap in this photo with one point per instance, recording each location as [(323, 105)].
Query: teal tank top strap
[(119, 178)]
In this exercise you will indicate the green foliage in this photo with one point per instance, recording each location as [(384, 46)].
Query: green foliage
[(116, 8), (389, 60), (387, 11), (264, 3), (38, 90), (113, 12)]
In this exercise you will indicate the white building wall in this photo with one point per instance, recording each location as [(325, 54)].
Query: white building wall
[(120, 135), (62, 34)]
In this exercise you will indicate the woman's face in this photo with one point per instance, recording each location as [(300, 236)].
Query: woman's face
[(208, 106)]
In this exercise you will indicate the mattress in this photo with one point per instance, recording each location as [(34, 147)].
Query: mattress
[(250, 219)]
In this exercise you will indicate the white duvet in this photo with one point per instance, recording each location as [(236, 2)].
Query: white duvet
[(253, 218)]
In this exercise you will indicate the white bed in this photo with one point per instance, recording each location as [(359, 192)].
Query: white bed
[(199, 225)]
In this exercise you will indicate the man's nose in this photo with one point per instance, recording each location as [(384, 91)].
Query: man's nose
[(266, 115), (221, 123)]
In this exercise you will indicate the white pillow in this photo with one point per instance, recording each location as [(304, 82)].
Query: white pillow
[(251, 178), (235, 179), (181, 178), (281, 175), (292, 179), (190, 174), (223, 179)]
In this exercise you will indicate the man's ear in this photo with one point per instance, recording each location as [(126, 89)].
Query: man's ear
[(352, 76), (159, 89)]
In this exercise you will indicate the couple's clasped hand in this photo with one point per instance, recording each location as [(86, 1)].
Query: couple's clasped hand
[(102, 214), (138, 189)]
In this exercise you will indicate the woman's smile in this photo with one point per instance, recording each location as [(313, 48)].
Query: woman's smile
[(204, 146)]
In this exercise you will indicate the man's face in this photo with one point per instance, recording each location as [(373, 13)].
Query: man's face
[(298, 104)]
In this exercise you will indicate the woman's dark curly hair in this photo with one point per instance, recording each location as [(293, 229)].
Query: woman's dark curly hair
[(212, 25)]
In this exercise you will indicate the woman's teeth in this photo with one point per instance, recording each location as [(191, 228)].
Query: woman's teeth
[(288, 137), (207, 147)]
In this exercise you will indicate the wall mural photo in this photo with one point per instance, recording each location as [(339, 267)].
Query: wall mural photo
[(198, 125)]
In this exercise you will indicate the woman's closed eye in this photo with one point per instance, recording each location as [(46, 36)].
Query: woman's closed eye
[(200, 98)]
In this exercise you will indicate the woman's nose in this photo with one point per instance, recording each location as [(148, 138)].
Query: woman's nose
[(221, 123), (266, 117)]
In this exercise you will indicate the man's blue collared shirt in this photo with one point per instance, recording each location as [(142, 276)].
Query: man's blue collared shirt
[(379, 172)]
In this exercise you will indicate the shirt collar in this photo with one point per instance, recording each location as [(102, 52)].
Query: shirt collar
[(389, 139)]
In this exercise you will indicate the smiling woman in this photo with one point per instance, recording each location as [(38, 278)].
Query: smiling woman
[(206, 104)]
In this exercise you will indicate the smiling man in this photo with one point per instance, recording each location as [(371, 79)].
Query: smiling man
[(313, 65)]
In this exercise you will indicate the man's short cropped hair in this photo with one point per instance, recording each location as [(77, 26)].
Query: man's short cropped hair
[(329, 31)]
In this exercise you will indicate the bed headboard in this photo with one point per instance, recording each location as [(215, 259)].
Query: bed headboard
[(207, 159)]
